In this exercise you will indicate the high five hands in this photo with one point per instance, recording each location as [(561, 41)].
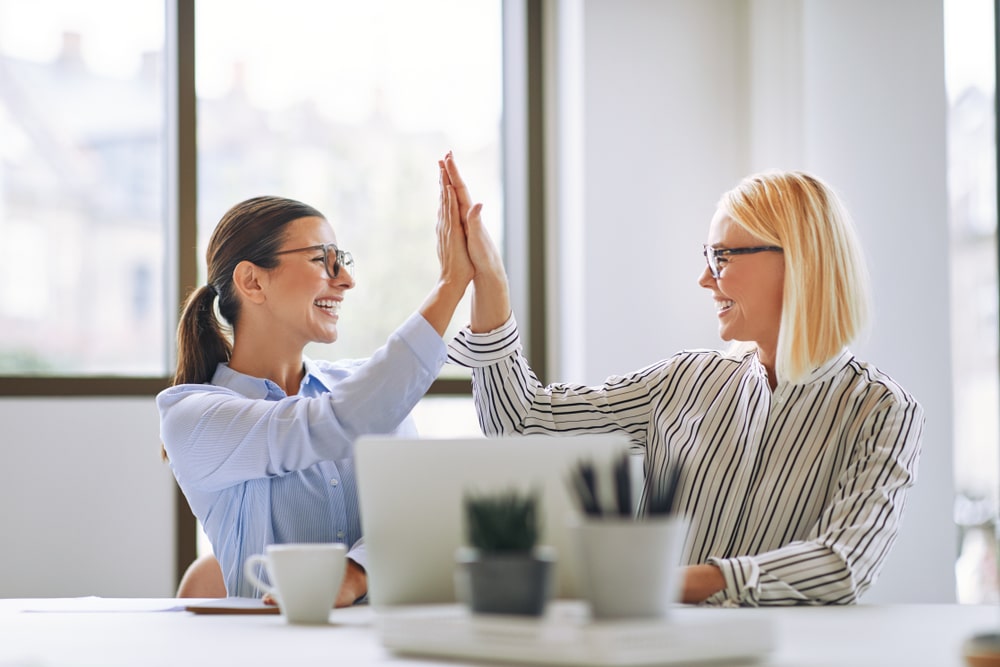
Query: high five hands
[(491, 295)]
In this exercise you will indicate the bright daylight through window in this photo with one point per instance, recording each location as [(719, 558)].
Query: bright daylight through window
[(81, 188), (347, 107), (972, 182)]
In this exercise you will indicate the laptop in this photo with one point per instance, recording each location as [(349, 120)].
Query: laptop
[(411, 491)]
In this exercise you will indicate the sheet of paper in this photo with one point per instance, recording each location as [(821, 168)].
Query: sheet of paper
[(94, 605)]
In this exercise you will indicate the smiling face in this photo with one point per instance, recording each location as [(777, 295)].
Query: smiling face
[(748, 291), (303, 300)]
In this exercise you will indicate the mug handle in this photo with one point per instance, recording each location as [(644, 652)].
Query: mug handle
[(249, 570)]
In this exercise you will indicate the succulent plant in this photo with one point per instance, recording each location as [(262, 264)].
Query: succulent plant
[(502, 522)]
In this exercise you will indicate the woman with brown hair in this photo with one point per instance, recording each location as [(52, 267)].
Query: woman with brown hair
[(259, 437)]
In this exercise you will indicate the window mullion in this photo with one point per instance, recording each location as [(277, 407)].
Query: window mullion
[(181, 206)]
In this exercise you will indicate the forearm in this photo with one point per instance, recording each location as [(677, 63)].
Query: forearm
[(490, 303), (701, 582), (439, 306)]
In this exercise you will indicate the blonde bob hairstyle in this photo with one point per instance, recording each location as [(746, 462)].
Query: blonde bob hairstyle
[(826, 302)]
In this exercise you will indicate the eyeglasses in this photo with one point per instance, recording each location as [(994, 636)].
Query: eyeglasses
[(333, 258), (716, 257)]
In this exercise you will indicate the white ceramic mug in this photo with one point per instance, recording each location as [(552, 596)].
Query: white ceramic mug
[(306, 578), (630, 568)]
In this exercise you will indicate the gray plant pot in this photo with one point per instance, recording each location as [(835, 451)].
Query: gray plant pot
[(507, 583)]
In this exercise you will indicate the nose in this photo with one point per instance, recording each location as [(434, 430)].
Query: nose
[(705, 279), (344, 279)]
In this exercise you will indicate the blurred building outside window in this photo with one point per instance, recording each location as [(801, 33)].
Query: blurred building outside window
[(81, 188)]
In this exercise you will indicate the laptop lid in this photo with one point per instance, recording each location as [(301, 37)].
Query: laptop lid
[(411, 490)]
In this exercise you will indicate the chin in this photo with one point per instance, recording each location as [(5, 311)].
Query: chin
[(327, 338)]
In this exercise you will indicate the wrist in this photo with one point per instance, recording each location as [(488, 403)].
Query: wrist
[(451, 289), (439, 306), (355, 580)]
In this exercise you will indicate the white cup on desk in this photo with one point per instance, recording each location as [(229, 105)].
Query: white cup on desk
[(305, 578)]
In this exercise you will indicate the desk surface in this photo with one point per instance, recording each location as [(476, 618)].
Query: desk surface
[(130, 632)]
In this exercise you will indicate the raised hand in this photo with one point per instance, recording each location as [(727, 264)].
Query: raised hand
[(457, 269), (483, 251), (491, 295), (455, 179), (452, 245)]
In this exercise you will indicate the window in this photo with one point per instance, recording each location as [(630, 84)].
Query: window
[(972, 180), (81, 199), (342, 105)]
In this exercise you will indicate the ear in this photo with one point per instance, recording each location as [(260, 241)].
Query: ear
[(249, 281)]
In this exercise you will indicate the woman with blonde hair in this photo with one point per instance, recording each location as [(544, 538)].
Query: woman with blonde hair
[(259, 437), (794, 455)]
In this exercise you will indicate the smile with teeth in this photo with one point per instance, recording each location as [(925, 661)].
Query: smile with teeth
[(723, 305), (329, 305)]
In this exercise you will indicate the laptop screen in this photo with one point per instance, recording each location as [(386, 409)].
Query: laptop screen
[(411, 492)]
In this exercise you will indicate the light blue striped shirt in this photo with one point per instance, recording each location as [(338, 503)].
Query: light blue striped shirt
[(259, 467)]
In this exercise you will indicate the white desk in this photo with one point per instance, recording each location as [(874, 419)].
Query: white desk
[(861, 636)]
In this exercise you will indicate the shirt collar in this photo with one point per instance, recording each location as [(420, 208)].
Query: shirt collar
[(255, 387), (241, 383), (313, 374), (827, 369)]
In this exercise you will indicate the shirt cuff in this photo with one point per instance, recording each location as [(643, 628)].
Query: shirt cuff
[(359, 554), (477, 350), (424, 340), (742, 575)]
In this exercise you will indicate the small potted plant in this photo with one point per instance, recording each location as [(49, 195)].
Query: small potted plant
[(504, 569)]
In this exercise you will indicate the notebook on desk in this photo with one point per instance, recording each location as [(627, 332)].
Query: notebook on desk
[(411, 492)]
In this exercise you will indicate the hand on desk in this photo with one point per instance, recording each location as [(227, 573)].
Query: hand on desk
[(701, 582), (354, 586)]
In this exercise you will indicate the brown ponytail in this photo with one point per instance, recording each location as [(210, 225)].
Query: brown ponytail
[(201, 343)]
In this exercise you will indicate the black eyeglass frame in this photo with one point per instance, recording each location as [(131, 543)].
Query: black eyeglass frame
[(712, 255), (340, 257)]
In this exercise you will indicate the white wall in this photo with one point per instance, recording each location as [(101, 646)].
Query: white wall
[(86, 507), (678, 99)]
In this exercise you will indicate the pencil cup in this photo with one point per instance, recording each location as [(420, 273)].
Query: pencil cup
[(630, 568), (305, 578)]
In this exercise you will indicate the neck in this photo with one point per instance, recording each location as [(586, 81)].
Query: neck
[(767, 359), (265, 358)]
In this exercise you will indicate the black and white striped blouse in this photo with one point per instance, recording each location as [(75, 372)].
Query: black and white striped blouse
[(796, 495)]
